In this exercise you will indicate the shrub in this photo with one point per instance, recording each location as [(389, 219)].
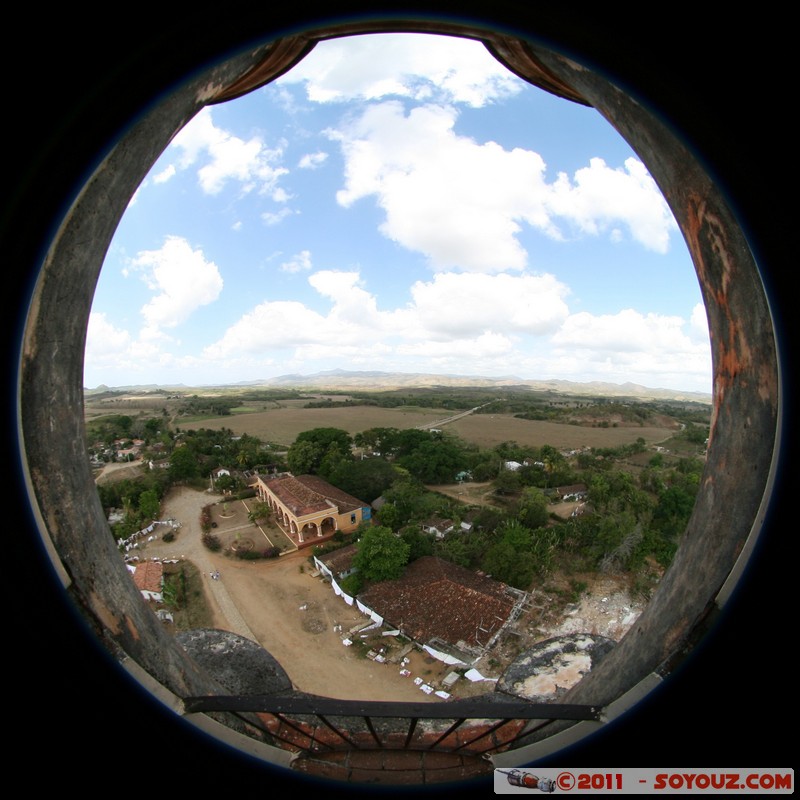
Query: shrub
[(248, 555), (169, 536), (271, 552), (212, 542), (205, 519), (352, 584)]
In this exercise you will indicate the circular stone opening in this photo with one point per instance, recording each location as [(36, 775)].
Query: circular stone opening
[(732, 502)]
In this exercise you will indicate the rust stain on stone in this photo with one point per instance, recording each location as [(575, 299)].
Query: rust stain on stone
[(132, 629), (104, 615), (705, 233)]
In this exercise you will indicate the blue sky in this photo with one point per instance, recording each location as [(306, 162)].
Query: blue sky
[(398, 203)]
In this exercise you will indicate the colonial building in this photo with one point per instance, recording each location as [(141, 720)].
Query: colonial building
[(309, 508)]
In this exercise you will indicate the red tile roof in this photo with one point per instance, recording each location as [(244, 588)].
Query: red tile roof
[(308, 494), (148, 576), (438, 599)]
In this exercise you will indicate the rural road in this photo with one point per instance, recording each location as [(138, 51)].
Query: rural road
[(185, 506), (428, 425), (295, 616)]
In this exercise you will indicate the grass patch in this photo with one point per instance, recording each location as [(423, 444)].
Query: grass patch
[(184, 597)]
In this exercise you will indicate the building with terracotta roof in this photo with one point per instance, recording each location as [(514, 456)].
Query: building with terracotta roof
[(339, 563), (310, 509), (436, 601), (149, 579)]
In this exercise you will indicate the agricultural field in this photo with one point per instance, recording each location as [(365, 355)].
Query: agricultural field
[(487, 431), (132, 405), (282, 425), (278, 419)]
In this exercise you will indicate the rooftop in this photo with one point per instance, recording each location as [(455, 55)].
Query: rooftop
[(148, 576), (438, 599), (308, 494), (339, 560)]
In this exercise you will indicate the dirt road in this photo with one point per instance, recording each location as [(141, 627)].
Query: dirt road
[(302, 623), (291, 614)]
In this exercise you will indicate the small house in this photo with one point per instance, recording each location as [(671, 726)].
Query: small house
[(437, 526), (339, 563), (149, 579)]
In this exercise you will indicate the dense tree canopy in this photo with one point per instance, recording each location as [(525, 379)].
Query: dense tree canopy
[(183, 464), (382, 555), (532, 509), (365, 479), (319, 451)]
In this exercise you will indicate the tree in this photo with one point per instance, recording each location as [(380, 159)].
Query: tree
[(532, 508), (431, 459), (505, 563), (325, 437), (381, 555), (519, 553), (390, 516), (149, 505), (259, 512), (303, 458), (488, 519), (306, 455), (419, 543), (486, 470), (507, 482), (225, 483), (453, 549), (333, 460), (183, 464), (671, 515), (365, 479)]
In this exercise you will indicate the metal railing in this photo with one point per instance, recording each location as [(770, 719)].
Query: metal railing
[(315, 725)]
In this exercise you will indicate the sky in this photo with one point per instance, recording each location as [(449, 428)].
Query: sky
[(401, 203)]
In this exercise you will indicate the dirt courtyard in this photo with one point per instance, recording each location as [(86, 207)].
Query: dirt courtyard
[(296, 616), (293, 615)]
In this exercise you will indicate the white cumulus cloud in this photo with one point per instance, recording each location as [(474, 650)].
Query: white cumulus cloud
[(104, 339), (406, 65), (224, 157), (458, 202), (463, 204), (455, 304), (600, 198), (182, 280)]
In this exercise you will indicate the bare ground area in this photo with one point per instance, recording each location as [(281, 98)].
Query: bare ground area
[(482, 494), (119, 471), (490, 430), (301, 622), (283, 425)]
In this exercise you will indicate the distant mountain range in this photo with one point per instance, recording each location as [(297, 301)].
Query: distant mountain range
[(339, 379)]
